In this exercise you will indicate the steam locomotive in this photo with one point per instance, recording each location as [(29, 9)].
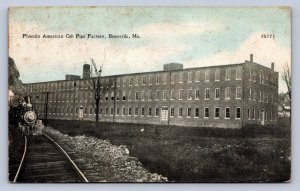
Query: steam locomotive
[(24, 116)]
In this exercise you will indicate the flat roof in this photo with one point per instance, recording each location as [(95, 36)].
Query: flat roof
[(159, 71)]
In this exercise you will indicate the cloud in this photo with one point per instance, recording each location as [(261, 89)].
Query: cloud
[(265, 52), (50, 59)]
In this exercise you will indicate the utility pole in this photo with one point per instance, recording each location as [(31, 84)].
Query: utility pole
[(114, 114), (74, 109), (46, 108)]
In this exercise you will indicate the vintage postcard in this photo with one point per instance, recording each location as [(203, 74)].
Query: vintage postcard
[(149, 94)]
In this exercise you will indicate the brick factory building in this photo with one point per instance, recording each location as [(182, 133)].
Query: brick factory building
[(227, 96)]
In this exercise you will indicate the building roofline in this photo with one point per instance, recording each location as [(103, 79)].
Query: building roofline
[(141, 73), (249, 62)]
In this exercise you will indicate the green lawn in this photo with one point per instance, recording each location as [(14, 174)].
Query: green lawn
[(251, 154)]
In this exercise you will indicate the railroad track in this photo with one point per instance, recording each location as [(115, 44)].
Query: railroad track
[(44, 161)]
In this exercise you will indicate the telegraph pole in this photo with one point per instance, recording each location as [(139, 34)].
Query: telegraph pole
[(74, 109), (46, 108)]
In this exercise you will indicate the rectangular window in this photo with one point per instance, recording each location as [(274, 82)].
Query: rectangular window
[(157, 79), (143, 96), (253, 76), (238, 113), (260, 77), (197, 94), (136, 111), (238, 93), (189, 94), (150, 95), (227, 113), (106, 111), (156, 111), (136, 96), (157, 95), (190, 77), (249, 114), (217, 113), (217, 93), (207, 75), (118, 96), (250, 93), (129, 111), (143, 111), (189, 112), (131, 81), (118, 111), (123, 95), (217, 75), (238, 74), (228, 74), (197, 114), (129, 95), (197, 78), (227, 93), (165, 78), (173, 78), (207, 93), (253, 114), (165, 95), (118, 82), (149, 111), (259, 96), (124, 81), (136, 80), (150, 80), (180, 112), (180, 94), (206, 112), (172, 112), (181, 77), (144, 80), (123, 111), (111, 111), (172, 94)]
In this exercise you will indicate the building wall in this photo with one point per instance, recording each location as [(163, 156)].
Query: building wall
[(62, 102)]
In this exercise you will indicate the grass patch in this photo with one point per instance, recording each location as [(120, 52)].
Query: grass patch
[(189, 154)]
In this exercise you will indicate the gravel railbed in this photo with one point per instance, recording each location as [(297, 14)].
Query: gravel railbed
[(112, 163)]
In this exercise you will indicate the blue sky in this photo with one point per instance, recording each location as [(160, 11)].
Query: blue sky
[(194, 36)]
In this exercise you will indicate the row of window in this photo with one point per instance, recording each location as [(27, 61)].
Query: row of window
[(262, 78), (150, 79), (257, 114), (215, 113), (156, 95)]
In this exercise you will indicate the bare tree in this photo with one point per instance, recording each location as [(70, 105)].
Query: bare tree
[(98, 87), (287, 78)]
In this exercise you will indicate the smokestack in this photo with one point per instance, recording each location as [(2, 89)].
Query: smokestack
[(86, 71), (251, 57), (272, 66)]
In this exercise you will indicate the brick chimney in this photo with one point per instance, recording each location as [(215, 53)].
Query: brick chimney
[(272, 66), (251, 57)]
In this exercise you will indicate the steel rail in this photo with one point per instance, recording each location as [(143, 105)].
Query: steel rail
[(75, 167), (22, 160)]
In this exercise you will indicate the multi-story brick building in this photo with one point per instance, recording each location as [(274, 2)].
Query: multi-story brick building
[(227, 96)]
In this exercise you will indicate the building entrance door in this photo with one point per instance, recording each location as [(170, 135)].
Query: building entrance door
[(164, 113)]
